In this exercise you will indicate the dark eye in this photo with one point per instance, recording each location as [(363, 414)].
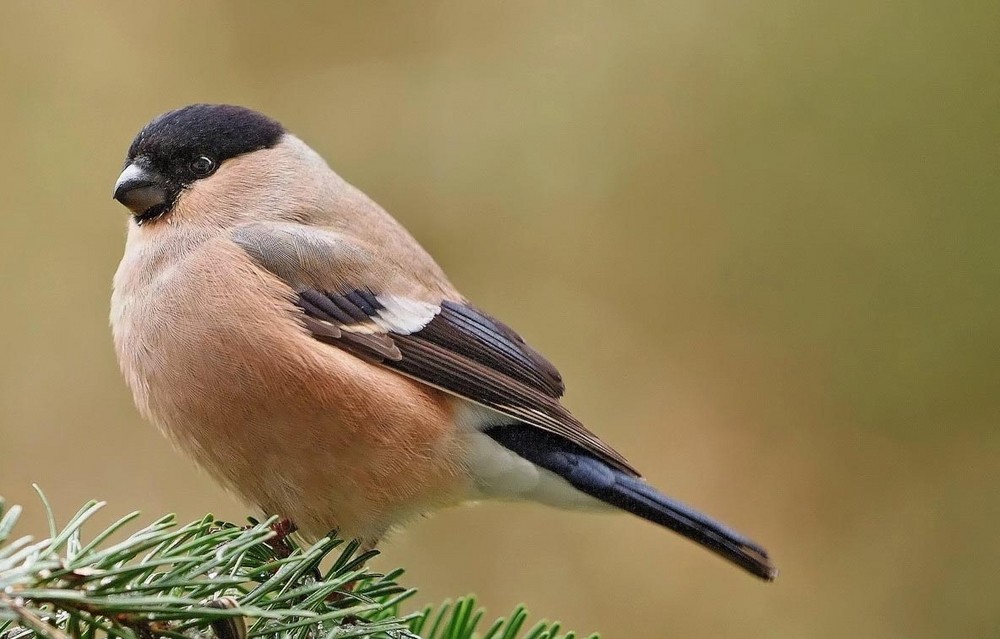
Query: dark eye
[(202, 166)]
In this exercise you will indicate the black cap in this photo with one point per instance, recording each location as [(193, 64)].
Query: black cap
[(219, 131), (185, 145)]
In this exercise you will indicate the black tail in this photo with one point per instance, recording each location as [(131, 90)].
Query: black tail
[(591, 476)]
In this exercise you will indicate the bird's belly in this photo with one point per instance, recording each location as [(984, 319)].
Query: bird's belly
[(216, 358)]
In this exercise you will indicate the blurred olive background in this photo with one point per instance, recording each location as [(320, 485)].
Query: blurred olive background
[(759, 239)]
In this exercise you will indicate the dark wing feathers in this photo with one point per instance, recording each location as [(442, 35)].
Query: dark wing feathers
[(463, 351), (330, 318), (474, 334), (439, 366), (323, 307), (450, 344)]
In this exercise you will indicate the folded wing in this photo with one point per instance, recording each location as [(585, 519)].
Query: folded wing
[(354, 298)]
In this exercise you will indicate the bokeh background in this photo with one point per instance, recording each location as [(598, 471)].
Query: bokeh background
[(759, 239)]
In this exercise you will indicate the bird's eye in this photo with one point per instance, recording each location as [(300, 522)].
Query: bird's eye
[(203, 165)]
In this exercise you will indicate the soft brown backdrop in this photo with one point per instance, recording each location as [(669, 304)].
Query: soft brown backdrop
[(759, 239)]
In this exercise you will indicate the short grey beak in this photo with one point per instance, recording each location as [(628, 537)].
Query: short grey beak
[(140, 189)]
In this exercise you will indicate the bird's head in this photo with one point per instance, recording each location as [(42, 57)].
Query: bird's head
[(213, 164)]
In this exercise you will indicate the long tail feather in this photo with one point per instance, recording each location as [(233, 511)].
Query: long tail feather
[(632, 494)]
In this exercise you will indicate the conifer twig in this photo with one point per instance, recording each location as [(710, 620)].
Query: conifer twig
[(213, 580)]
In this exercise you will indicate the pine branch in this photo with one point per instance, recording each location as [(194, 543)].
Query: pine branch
[(210, 579)]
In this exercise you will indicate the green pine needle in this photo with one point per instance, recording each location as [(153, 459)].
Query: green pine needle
[(214, 580)]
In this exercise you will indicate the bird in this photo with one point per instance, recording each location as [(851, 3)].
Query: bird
[(292, 337)]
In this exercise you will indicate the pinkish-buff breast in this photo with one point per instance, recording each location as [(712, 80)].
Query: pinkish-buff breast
[(212, 350)]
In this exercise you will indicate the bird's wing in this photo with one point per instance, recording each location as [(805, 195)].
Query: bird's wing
[(355, 299)]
